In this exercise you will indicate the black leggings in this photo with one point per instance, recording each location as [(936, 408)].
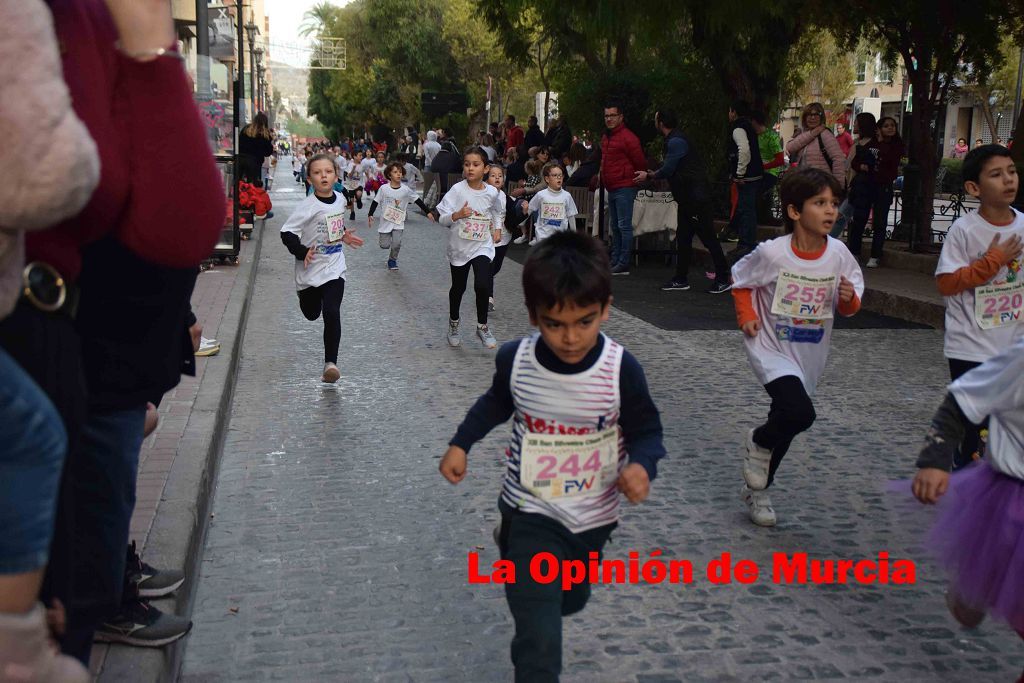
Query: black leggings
[(698, 220), (791, 412), (326, 299), (499, 258), (482, 285)]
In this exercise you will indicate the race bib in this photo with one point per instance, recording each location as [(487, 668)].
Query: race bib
[(999, 305), (350, 184), (803, 296), (475, 228), (393, 214), (559, 466), (335, 227), (551, 212)]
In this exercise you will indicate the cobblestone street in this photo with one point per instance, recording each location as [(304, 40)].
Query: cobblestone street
[(336, 552)]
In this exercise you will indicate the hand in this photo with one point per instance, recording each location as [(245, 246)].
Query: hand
[(369, 222), (352, 239), (518, 192), (930, 484), (524, 206), (453, 464), (640, 176), (846, 290), (143, 24), (56, 618), (1005, 251), (634, 482), (430, 217), (464, 212), (196, 333), (864, 167), (751, 327), (309, 257), (496, 235)]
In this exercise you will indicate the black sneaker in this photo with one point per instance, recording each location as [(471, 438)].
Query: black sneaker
[(729, 237), (720, 288), (675, 285), (149, 581), (621, 269), (140, 624)]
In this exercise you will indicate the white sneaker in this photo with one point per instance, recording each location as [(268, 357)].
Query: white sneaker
[(759, 506), (453, 333), (756, 461), (872, 263), (208, 347), (331, 373), (533, 241), (519, 240), (486, 337)]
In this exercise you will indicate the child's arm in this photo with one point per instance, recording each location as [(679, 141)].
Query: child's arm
[(448, 212), (489, 411), (425, 209), (747, 276), (980, 270), (641, 429), (936, 457), (570, 209)]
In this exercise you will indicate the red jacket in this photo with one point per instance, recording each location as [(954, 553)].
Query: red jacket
[(621, 158), (516, 136)]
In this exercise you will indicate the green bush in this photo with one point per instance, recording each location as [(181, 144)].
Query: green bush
[(953, 182)]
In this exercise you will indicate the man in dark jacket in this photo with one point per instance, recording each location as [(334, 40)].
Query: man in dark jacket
[(621, 159), (688, 179), (559, 139), (745, 170), (534, 135)]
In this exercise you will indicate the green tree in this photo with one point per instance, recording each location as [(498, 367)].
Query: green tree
[(821, 71)]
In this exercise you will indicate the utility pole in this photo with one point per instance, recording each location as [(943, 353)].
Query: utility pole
[(1020, 81), (250, 29), (203, 49)]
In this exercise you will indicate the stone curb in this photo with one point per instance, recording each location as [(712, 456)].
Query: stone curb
[(179, 528)]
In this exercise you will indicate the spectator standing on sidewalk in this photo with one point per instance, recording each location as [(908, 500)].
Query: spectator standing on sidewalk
[(863, 190), (514, 135), (890, 150), (621, 159), (844, 139), (772, 161), (686, 174), (254, 146), (534, 135), (745, 170), (817, 147), (960, 150)]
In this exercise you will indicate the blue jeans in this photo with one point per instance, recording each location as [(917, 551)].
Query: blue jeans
[(31, 458), (102, 475), (620, 209), (745, 219)]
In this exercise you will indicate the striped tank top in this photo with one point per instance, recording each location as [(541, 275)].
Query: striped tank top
[(546, 402)]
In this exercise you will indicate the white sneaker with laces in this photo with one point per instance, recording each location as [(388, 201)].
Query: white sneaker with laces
[(872, 263), (486, 337), (519, 240), (453, 333), (331, 373), (208, 347), (756, 461), (759, 506)]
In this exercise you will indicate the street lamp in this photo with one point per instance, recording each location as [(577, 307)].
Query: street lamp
[(259, 77), (261, 99), (250, 31)]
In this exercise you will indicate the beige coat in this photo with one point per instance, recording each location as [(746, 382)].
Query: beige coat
[(49, 161)]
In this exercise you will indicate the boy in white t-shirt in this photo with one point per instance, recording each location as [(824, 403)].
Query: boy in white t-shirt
[(554, 206), (979, 272), (787, 292), (314, 234), (394, 199)]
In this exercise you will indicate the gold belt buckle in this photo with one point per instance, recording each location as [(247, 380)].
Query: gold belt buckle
[(43, 286)]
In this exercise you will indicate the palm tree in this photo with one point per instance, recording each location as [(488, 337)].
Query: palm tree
[(315, 20)]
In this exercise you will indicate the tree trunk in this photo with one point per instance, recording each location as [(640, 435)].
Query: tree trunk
[(1018, 143), (986, 111), (922, 151)]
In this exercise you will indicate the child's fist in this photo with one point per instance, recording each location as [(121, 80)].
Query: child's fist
[(751, 327), (453, 464), (846, 290), (309, 257), (634, 482), (929, 484)]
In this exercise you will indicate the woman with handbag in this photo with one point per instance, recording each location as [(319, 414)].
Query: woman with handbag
[(817, 147), (863, 191)]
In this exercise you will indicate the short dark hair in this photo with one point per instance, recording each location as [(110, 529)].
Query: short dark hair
[(799, 186), (614, 104), (741, 107), (477, 150), (257, 183), (759, 117), (667, 118), (394, 164), (512, 118), (975, 160), (549, 167), (567, 268)]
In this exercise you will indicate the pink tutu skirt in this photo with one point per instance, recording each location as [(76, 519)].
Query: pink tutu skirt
[(979, 538)]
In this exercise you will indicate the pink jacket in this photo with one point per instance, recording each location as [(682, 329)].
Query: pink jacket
[(50, 162), (807, 149)]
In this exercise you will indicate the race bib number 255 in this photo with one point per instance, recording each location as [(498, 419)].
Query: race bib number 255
[(803, 296)]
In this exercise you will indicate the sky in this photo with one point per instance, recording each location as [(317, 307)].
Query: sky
[(285, 19)]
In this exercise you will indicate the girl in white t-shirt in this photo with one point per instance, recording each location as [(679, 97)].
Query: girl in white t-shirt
[(516, 211), (474, 213), (554, 207), (978, 534), (979, 272), (314, 234), (394, 199), (787, 292)]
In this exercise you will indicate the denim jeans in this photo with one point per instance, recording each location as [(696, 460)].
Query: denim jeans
[(620, 210), (31, 458), (745, 218), (102, 475)]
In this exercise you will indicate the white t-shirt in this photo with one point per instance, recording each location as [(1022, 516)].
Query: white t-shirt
[(794, 345), (309, 222), (506, 236), (967, 240), (366, 167), (430, 150), (555, 209), (489, 213), (995, 389), (412, 175), (389, 201)]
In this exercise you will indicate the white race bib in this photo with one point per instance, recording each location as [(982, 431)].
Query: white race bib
[(335, 226), (475, 228), (554, 466), (999, 305), (803, 296), (393, 214), (552, 212)]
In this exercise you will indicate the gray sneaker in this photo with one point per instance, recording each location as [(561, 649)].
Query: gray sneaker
[(756, 463), (486, 337), (137, 623), (453, 333), (759, 506)]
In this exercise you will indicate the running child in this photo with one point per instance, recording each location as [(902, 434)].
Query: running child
[(374, 172), (314, 234), (580, 407), (978, 534), (787, 292), (413, 178), (979, 272), (475, 214), (554, 207), (394, 198), (516, 211)]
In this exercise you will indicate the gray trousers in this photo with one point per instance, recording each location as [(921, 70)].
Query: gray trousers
[(393, 241)]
